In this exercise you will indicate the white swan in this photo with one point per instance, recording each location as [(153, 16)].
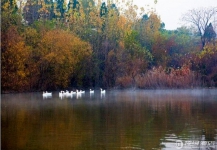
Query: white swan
[(91, 91), (67, 93), (47, 94), (78, 92), (78, 95), (82, 92), (73, 92), (102, 91), (61, 93)]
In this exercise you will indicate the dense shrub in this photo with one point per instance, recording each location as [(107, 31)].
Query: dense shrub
[(159, 77), (124, 82), (170, 78)]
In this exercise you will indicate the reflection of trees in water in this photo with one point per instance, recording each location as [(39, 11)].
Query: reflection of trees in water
[(127, 121), (181, 116)]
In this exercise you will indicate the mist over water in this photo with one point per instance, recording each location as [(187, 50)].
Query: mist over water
[(118, 119)]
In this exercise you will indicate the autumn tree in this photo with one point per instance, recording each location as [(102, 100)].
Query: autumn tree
[(201, 18), (9, 15), (14, 52), (60, 53), (148, 28), (81, 43), (14, 61), (178, 44), (149, 37), (133, 60), (205, 63)]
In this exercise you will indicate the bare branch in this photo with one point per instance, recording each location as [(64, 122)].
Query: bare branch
[(200, 18)]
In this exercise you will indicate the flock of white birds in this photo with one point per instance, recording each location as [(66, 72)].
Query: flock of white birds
[(71, 93)]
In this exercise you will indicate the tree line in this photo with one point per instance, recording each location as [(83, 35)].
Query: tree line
[(51, 45)]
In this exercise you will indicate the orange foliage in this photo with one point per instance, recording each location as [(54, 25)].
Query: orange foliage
[(206, 63), (60, 52), (175, 78), (15, 56), (124, 82)]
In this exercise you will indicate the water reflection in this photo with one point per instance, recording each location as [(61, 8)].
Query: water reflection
[(46, 96), (150, 119), (102, 95), (78, 96)]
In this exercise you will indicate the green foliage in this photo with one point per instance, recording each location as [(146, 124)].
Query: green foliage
[(9, 20), (135, 49), (9, 15), (177, 44), (44, 25)]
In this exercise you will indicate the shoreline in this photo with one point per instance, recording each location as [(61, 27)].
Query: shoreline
[(115, 88)]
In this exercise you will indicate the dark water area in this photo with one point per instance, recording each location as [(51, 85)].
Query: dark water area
[(116, 120)]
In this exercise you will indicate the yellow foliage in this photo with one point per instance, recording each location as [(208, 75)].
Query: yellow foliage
[(150, 28), (6, 6), (60, 52), (14, 61), (208, 50), (31, 37)]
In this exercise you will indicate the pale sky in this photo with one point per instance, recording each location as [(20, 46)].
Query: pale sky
[(170, 11)]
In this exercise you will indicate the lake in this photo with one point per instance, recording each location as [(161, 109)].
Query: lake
[(116, 120)]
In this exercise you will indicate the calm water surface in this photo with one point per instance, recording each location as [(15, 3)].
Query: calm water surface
[(117, 120)]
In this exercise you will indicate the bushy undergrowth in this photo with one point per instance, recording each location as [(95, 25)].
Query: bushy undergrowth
[(124, 82), (159, 77)]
